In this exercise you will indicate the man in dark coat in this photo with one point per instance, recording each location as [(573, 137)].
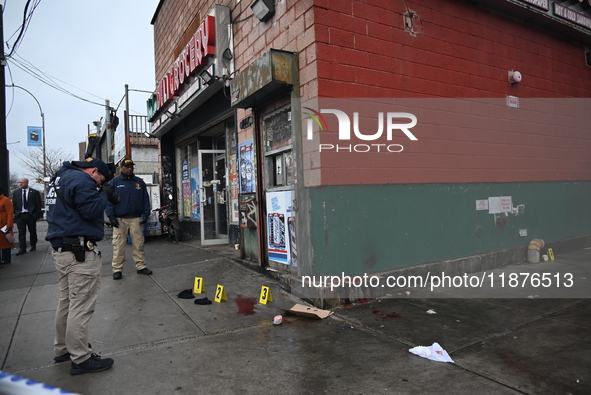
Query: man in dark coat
[(75, 209), (27, 210), (128, 217)]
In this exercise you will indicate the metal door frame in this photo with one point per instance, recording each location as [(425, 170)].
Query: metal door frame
[(202, 196)]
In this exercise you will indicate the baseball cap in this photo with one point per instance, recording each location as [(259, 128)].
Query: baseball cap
[(91, 162), (127, 162)]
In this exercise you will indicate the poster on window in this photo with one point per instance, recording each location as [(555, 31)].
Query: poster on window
[(186, 184), (246, 161), (234, 190), (195, 203), (279, 212)]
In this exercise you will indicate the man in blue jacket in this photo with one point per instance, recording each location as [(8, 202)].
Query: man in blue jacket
[(75, 207), (129, 216)]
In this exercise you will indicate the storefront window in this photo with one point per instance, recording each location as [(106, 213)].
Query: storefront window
[(189, 162), (280, 166), (277, 129), (185, 182)]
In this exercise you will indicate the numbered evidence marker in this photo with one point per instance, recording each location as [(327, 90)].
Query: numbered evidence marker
[(551, 254), (265, 295), (220, 294), (199, 286)]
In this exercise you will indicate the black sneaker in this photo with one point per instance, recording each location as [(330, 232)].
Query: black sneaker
[(66, 356), (94, 364), (62, 358), (145, 271), (117, 276)]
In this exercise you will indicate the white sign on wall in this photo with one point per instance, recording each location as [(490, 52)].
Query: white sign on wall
[(494, 205), (481, 205)]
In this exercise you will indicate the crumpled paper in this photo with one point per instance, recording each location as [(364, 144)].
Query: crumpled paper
[(433, 352)]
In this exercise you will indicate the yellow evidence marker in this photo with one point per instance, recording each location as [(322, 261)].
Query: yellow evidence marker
[(220, 294), (551, 254), (199, 286), (265, 295)]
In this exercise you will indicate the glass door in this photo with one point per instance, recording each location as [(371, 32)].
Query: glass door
[(213, 193)]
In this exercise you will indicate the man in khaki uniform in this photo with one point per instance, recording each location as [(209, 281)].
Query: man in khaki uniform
[(128, 217)]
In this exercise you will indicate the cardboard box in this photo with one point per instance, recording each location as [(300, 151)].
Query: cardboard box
[(310, 312)]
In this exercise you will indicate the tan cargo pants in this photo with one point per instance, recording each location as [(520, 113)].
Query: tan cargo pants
[(131, 225), (79, 286)]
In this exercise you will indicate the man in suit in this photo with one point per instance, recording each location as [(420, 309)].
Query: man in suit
[(27, 210)]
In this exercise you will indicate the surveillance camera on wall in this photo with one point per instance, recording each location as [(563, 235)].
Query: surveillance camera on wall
[(514, 77)]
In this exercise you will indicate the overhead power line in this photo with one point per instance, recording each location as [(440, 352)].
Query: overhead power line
[(36, 73), (53, 78), (27, 17)]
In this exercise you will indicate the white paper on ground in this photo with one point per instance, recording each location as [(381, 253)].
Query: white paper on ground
[(433, 352)]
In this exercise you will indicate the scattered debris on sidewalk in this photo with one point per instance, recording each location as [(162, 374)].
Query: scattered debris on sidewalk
[(431, 311), (278, 319), (203, 301), (434, 352), (186, 294), (311, 312)]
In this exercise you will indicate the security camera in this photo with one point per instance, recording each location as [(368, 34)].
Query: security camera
[(514, 77)]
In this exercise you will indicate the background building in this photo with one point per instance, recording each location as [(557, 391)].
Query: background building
[(352, 137)]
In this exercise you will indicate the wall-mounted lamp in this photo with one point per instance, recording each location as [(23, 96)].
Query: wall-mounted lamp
[(207, 77), (514, 77), (263, 9)]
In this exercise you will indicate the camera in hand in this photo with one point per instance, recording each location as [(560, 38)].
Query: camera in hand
[(111, 195)]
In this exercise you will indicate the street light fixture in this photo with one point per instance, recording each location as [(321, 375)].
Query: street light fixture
[(42, 132)]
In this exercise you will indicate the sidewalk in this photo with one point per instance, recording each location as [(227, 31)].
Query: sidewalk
[(165, 345)]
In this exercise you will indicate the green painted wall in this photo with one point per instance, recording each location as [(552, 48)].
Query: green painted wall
[(363, 229)]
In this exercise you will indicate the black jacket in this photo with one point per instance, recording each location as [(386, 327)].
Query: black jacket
[(80, 210), (135, 201), (33, 202)]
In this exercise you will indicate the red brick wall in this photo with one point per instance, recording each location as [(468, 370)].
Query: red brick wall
[(458, 51), (171, 23), (463, 51), (290, 29), (360, 48)]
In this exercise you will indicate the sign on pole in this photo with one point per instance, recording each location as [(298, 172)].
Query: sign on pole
[(34, 136)]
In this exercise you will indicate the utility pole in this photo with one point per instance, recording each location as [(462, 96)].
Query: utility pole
[(107, 130), (4, 163), (126, 124)]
